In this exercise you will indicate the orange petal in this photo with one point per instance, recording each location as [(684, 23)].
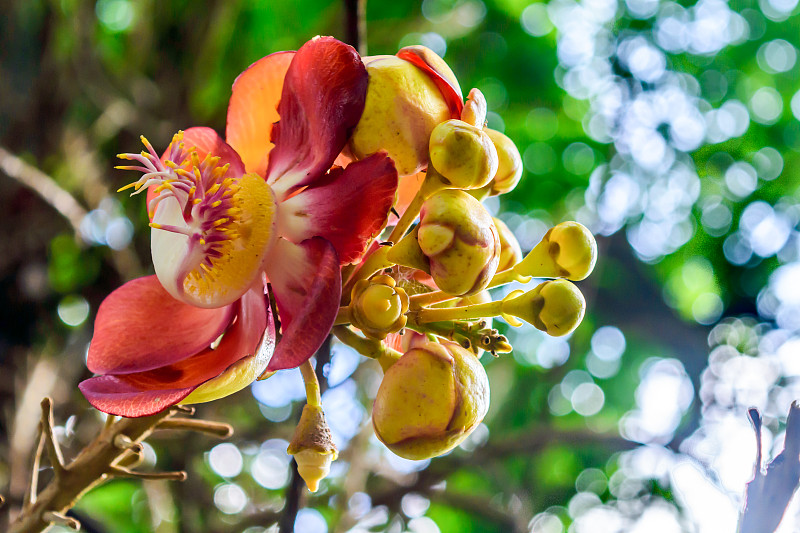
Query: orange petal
[(252, 109)]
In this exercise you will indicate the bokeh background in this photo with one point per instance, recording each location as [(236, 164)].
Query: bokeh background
[(671, 129)]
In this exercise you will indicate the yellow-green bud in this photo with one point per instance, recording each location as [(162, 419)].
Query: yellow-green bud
[(430, 400), (509, 167), (567, 250), (378, 306), (312, 447), (463, 154), (458, 237), (510, 251), (474, 112), (402, 107), (555, 307)]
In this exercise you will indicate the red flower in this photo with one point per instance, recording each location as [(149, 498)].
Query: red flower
[(229, 216)]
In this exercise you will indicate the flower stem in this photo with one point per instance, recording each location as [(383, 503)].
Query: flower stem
[(467, 312), (313, 396)]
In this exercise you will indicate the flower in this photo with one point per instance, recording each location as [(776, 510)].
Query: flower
[(228, 217)]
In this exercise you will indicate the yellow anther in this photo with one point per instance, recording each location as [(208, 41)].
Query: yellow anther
[(217, 203)]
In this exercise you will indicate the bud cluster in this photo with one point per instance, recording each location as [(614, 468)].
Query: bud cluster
[(435, 391)]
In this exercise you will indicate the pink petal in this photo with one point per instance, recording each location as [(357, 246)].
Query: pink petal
[(307, 284), (253, 109), (323, 97), (146, 393), (449, 88), (112, 395), (140, 327), (348, 208)]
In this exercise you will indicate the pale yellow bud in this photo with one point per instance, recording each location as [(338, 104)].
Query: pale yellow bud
[(378, 306), (460, 241), (312, 447), (509, 167), (567, 250), (402, 107), (430, 400), (463, 154), (474, 112), (555, 307), (510, 251)]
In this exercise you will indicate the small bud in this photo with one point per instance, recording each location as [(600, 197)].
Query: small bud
[(463, 154), (568, 250), (430, 400), (402, 107), (509, 167), (555, 307), (378, 307), (474, 112), (510, 252), (458, 237), (312, 447)]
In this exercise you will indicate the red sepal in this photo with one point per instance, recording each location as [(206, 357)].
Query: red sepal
[(140, 327), (450, 91), (348, 208), (307, 285), (323, 97)]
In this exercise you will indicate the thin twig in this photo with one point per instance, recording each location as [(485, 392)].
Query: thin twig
[(53, 449), (216, 429), (44, 186)]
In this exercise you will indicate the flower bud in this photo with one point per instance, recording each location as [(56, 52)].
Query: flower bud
[(378, 307), (402, 107), (460, 241), (555, 307), (509, 167), (510, 252), (463, 154), (567, 250), (474, 112), (312, 447), (430, 400)]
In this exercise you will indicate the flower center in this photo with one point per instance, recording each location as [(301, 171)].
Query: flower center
[(215, 228)]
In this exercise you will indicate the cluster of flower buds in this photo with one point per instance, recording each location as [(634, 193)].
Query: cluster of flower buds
[(304, 221), (435, 391)]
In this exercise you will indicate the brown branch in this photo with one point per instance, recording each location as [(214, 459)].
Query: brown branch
[(216, 429), (44, 186), (98, 461), (355, 14)]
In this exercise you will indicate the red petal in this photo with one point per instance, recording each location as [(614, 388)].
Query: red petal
[(253, 109), (113, 396), (441, 74), (140, 326), (348, 209), (146, 393), (323, 98), (206, 141), (307, 284)]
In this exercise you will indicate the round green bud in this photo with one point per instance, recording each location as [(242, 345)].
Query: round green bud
[(460, 241), (378, 306), (402, 107), (430, 400), (567, 250), (510, 251), (463, 154), (555, 307), (509, 167)]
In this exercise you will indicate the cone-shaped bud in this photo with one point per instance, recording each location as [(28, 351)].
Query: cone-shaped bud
[(463, 154), (460, 240), (312, 447), (378, 306), (430, 400), (510, 251), (555, 307), (509, 167), (403, 106), (474, 112), (567, 250)]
